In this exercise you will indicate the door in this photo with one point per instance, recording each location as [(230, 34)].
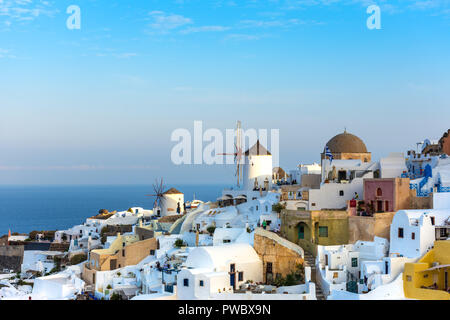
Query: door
[(112, 264), (301, 232), (233, 280), (379, 206)]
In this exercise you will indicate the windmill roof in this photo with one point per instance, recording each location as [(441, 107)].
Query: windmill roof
[(257, 150), (173, 191)]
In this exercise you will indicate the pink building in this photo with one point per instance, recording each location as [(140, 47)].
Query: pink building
[(386, 194)]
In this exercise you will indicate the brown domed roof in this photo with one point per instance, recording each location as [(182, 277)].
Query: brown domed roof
[(346, 143), (172, 191)]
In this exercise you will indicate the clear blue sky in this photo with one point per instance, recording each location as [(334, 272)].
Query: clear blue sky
[(98, 105)]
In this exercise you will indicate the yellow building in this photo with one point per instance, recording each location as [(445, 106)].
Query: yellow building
[(428, 278), (124, 251)]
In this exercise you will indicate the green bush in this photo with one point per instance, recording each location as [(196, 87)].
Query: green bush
[(278, 207), (76, 259), (115, 296), (211, 229), (294, 278), (179, 243)]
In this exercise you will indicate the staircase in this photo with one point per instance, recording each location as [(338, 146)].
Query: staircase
[(310, 262)]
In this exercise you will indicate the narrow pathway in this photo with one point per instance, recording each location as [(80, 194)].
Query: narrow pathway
[(310, 262)]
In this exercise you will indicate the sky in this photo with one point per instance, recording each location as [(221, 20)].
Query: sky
[(98, 104)]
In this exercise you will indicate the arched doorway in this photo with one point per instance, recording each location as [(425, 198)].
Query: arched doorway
[(303, 231)]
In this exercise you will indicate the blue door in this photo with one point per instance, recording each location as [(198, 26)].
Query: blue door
[(232, 279)]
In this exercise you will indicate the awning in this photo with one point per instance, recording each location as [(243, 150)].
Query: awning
[(437, 267), (224, 198)]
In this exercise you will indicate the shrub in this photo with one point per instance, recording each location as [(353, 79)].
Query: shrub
[(103, 211), (108, 287), (211, 229), (76, 259), (115, 296), (292, 279), (278, 207), (179, 243)]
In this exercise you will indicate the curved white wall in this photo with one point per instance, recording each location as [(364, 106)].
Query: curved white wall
[(259, 167)]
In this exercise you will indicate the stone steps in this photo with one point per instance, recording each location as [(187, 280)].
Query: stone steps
[(311, 262)]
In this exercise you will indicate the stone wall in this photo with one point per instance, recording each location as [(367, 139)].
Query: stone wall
[(144, 233), (11, 257), (420, 202), (284, 255), (366, 228)]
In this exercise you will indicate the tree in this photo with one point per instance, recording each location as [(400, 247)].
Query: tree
[(211, 230), (278, 207)]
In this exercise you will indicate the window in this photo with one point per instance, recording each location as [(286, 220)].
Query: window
[(408, 278), (341, 193), (152, 252), (379, 192), (123, 252), (400, 232), (432, 220), (186, 282), (413, 235), (201, 284), (335, 275), (267, 208), (226, 240), (232, 267), (241, 276), (354, 262), (269, 267), (323, 232), (443, 232), (386, 206), (257, 208)]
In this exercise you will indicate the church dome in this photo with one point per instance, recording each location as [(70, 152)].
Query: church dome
[(346, 143)]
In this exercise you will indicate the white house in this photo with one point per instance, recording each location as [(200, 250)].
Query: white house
[(341, 265), (212, 270), (393, 166), (295, 176), (413, 231), (340, 181), (61, 286)]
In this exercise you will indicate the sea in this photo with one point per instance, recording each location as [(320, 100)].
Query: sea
[(27, 208)]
